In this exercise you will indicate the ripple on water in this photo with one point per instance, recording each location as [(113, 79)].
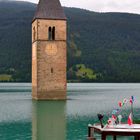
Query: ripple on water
[(17, 110)]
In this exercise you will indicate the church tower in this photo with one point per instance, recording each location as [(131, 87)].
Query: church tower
[(49, 51)]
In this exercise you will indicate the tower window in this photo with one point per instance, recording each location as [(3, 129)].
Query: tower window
[(51, 70), (34, 34), (49, 33), (53, 33)]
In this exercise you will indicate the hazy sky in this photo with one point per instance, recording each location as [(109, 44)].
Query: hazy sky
[(131, 6)]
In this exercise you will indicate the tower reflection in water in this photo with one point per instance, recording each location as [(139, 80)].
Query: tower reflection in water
[(48, 120)]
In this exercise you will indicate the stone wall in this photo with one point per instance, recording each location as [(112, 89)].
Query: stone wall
[(49, 60)]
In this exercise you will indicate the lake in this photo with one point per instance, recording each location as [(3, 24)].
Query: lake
[(24, 119)]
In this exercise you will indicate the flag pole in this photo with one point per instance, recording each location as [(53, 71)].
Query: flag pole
[(132, 110), (132, 101)]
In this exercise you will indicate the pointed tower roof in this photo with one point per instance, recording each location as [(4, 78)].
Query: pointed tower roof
[(49, 9)]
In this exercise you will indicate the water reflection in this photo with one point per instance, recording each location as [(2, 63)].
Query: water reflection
[(48, 120), (18, 113)]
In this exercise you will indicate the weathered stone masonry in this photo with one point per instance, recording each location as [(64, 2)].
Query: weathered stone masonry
[(49, 52)]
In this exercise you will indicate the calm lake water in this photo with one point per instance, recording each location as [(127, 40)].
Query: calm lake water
[(24, 119)]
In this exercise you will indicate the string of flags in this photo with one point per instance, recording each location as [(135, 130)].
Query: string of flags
[(116, 112), (116, 116), (121, 104), (125, 101)]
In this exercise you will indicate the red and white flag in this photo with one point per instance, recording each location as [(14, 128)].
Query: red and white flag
[(130, 121)]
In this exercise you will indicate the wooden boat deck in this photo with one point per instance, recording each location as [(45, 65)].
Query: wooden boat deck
[(117, 130)]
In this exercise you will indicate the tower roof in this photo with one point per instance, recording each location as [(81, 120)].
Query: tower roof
[(49, 9)]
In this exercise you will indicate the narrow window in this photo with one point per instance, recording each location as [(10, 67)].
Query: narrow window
[(53, 33), (34, 34), (51, 70), (49, 33)]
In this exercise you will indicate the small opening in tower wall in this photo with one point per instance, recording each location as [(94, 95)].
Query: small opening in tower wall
[(49, 33), (51, 70), (53, 33), (34, 34)]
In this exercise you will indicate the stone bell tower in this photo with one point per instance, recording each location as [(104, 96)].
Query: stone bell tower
[(49, 51)]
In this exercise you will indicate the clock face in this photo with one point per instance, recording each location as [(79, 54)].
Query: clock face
[(51, 49)]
